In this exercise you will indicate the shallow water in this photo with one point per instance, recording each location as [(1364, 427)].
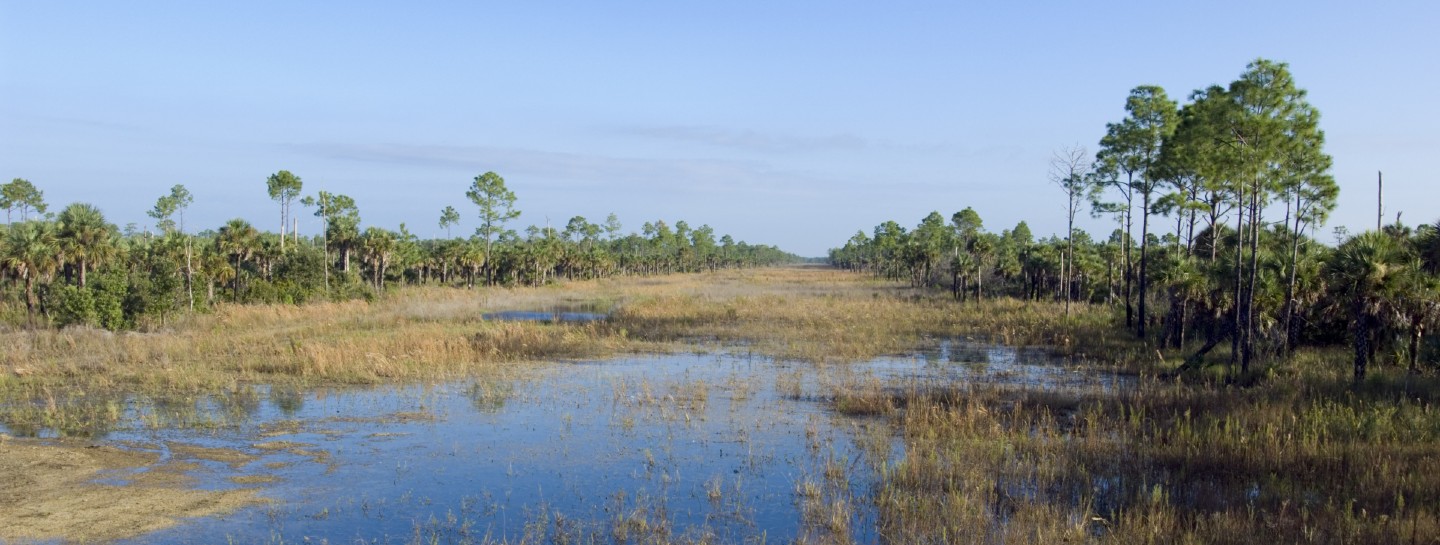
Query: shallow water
[(592, 443), (551, 315), (692, 444)]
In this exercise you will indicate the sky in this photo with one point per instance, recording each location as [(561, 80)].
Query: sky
[(787, 123)]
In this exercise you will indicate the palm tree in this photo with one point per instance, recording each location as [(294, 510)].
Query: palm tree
[(1364, 272), (238, 240), (376, 247), (215, 266), (31, 253), (1419, 304), (1427, 246), (1176, 273), (86, 237), (982, 247), (1416, 305)]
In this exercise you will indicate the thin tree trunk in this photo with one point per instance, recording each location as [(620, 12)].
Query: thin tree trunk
[(235, 282), (1144, 262), (1255, 224), (1417, 332), (1239, 272), (30, 296), (1290, 303), (1184, 318), (979, 285), (1129, 268), (1362, 340), (189, 275)]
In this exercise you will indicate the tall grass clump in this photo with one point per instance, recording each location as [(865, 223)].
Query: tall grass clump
[(1284, 461)]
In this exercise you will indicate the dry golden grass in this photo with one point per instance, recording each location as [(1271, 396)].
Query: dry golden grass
[(423, 333)]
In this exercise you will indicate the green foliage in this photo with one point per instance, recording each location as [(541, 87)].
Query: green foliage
[(101, 304), (70, 305), (449, 217), (21, 195), (169, 205)]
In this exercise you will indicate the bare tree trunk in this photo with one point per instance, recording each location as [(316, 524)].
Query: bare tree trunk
[(1239, 274), (979, 285), (1417, 333), (1144, 263), (30, 296), (1255, 228), (1379, 200), (1290, 303), (189, 275), (1362, 340), (1129, 267)]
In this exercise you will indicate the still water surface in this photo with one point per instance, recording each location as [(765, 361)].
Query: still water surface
[(715, 445)]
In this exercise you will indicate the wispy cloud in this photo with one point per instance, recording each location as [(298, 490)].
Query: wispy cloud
[(583, 171), (78, 122), (751, 140)]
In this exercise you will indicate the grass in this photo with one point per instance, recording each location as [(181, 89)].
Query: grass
[(1287, 460), (432, 334)]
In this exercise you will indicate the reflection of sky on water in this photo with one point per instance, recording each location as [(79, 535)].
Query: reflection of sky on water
[(590, 442), (949, 361), (581, 313)]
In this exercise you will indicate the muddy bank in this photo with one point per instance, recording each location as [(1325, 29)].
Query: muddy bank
[(77, 491)]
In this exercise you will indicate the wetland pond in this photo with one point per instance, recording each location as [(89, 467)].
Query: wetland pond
[(721, 446)]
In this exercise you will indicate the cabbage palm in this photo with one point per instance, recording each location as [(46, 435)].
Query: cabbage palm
[(1416, 305), (1365, 272), (376, 248), (1427, 246), (237, 240), (32, 252), (87, 238)]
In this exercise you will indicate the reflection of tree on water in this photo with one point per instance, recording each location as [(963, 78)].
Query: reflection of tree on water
[(489, 396), (287, 400), (91, 416), (239, 403), (184, 410)]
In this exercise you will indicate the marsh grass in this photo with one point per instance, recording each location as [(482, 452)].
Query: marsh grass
[(1292, 453), (1287, 460), (433, 334)]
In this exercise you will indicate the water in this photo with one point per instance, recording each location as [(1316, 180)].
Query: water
[(696, 444), (972, 362), (551, 315), (700, 443)]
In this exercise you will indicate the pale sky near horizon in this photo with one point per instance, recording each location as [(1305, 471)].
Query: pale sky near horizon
[(786, 123)]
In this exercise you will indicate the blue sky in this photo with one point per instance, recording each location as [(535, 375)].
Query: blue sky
[(787, 123)]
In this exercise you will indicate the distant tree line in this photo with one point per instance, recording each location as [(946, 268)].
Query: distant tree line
[(74, 267), (1226, 193)]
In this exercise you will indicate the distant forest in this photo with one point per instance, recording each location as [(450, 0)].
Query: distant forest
[(1216, 203), (76, 268)]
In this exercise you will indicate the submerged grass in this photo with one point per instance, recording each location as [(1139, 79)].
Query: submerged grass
[(1287, 460)]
